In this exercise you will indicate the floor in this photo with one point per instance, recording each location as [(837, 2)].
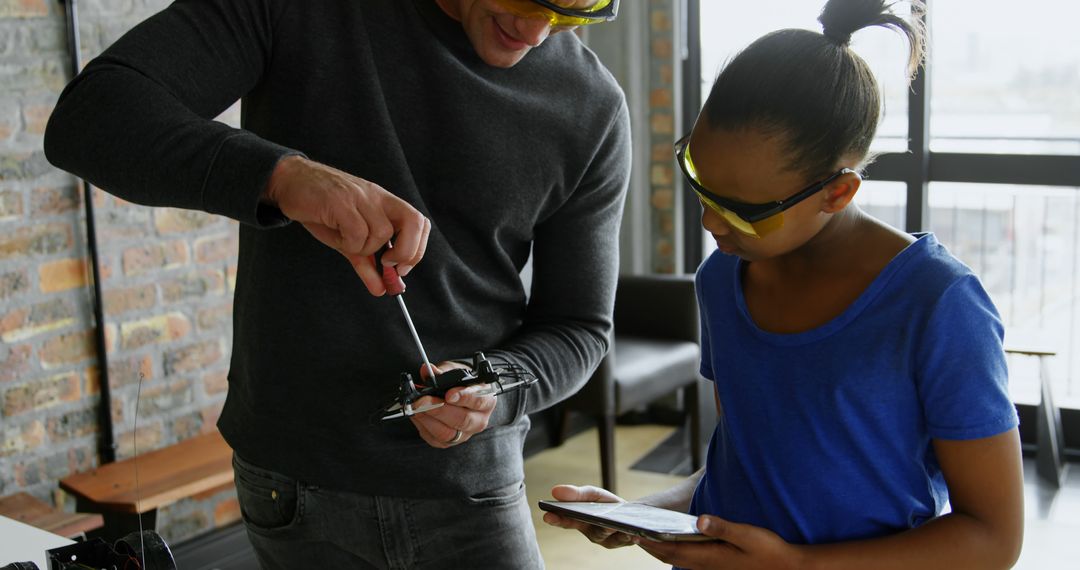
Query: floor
[(1052, 536)]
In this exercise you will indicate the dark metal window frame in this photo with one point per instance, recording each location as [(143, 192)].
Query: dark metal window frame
[(917, 168)]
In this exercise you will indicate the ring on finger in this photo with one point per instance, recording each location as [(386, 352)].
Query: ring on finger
[(456, 439)]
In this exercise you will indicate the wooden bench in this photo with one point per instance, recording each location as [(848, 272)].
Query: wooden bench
[(192, 467), (30, 510)]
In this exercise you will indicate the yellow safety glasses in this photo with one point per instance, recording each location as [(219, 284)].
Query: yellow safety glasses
[(754, 220), (558, 15)]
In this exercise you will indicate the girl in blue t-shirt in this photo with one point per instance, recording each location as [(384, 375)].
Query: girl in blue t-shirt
[(859, 371)]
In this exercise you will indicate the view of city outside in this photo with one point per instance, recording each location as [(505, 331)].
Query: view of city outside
[(1004, 79)]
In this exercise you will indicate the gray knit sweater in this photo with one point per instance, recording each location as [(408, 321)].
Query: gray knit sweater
[(391, 91)]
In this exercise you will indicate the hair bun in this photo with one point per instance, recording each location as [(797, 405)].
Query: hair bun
[(841, 38), (841, 18)]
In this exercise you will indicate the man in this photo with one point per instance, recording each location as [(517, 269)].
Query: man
[(473, 131)]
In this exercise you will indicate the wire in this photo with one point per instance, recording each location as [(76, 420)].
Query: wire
[(135, 466)]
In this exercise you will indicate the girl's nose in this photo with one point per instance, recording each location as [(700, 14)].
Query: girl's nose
[(714, 223)]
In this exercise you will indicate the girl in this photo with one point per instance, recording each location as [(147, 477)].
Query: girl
[(866, 421)]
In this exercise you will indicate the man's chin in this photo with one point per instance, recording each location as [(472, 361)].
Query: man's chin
[(502, 58)]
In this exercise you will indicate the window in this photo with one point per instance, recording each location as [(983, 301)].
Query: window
[(1005, 77)]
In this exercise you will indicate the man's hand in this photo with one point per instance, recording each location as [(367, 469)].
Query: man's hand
[(744, 547), (464, 414), (605, 537), (352, 215)]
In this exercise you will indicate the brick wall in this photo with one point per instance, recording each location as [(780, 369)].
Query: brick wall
[(662, 77), (168, 277)]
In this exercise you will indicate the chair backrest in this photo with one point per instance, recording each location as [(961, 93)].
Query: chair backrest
[(657, 306)]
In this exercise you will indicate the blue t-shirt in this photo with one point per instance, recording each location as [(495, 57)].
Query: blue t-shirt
[(825, 435)]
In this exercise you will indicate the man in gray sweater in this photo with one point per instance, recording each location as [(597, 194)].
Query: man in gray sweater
[(473, 131)]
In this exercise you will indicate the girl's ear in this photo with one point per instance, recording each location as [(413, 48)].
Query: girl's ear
[(840, 192)]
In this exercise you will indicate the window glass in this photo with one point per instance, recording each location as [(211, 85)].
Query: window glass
[(727, 27), (1005, 77), (1024, 244), (885, 201)]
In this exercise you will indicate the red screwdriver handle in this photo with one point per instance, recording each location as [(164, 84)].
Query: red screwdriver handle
[(391, 280)]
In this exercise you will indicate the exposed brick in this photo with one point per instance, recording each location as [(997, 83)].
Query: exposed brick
[(216, 382), (72, 425), (52, 201), (148, 438), (663, 198), (661, 98), (662, 152), (207, 282), (661, 48), (192, 357), (120, 300), (162, 328), (13, 283), (659, 20), (26, 322), (128, 371), (185, 525), (176, 220), (667, 74), (62, 274), (161, 398), (122, 222), (6, 128), (33, 75), (215, 318), (26, 438), (41, 394), (22, 166), (79, 459), (11, 205), (210, 417), (68, 348), (662, 123), (216, 248), (662, 175), (23, 8), (92, 386), (35, 117), (187, 425), (230, 277), (154, 257), (36, 240), (14, 361)]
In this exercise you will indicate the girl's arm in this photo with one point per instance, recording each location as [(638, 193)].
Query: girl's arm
[(983, 531)]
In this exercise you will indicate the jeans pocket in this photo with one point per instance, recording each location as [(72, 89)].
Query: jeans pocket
[(499, 496), (268, 500)]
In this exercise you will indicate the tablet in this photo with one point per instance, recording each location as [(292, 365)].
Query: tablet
[(632, 518)]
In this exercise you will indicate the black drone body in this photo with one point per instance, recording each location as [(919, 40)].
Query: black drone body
[(506, 377)]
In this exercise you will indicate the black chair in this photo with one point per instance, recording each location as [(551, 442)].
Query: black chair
[(654, 352)]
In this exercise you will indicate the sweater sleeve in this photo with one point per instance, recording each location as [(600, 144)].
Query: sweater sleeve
[(138, 120), (575, 269)]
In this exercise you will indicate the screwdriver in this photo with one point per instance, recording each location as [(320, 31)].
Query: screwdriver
[(395, 287)]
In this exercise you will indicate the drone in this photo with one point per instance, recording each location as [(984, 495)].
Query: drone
[(506, 377)]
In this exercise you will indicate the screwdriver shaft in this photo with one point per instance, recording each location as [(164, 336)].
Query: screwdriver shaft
[(416, 337)]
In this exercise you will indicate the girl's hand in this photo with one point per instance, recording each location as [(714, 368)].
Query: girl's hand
[(588, 494), (744, 547)]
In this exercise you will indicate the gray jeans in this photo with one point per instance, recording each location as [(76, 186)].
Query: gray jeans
[(295, 525)]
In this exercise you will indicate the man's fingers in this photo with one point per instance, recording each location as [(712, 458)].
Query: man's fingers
[(471, 397), (364, 266), (405, 267)]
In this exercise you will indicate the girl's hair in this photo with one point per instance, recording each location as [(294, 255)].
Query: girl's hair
[(810, 90)]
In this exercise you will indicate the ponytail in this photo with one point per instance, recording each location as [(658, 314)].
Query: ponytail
[(842, 18), (810, 90)]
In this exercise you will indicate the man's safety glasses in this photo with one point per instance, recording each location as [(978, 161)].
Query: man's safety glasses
[(754, 220), (560, 16)]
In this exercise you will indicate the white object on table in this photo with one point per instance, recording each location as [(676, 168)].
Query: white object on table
[(21, 542)]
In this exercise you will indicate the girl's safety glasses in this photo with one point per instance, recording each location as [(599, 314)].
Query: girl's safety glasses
[(558, 15), (754, 220)]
